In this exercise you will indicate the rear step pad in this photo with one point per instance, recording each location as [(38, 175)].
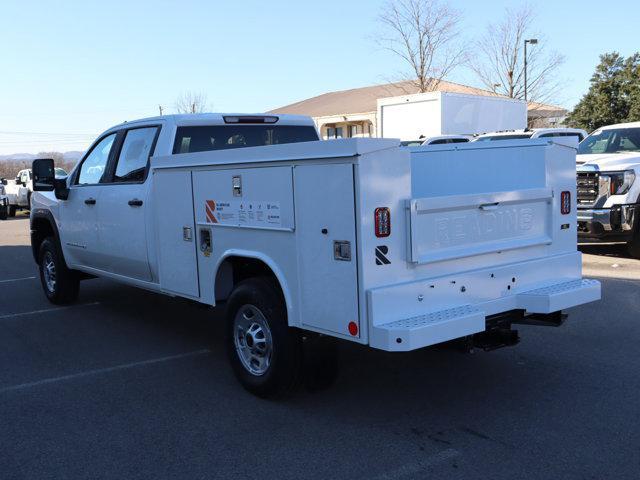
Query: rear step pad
[(428, 329), (559, 296)]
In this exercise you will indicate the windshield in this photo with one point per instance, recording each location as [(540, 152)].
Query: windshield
[(221, 137), (490, 138), (611, 140)]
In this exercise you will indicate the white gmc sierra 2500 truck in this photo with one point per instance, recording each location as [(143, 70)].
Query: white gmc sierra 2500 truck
[(608, 186), (358, 239)]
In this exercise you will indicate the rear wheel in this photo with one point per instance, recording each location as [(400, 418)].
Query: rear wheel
[(4, 212), (12, 210), (265, 353), (60, 284)]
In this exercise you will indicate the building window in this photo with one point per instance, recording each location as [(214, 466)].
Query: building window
[(334, 132), (354, 130)]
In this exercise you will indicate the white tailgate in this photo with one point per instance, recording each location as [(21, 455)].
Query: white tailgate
[(175, 232), (456, 226)]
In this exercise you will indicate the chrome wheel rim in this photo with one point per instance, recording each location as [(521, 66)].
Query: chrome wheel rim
[(252, 339), (49, 272)]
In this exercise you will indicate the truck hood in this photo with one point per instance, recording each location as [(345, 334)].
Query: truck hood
[(609, 161)]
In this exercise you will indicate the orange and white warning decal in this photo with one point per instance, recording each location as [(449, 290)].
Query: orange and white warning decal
[(210, 211), (243, 213)]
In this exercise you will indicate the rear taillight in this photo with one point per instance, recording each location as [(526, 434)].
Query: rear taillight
[(565, 203), (383, 222)]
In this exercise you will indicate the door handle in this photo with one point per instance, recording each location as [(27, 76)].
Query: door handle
[(489, 206), (90, 201), (135, 203)]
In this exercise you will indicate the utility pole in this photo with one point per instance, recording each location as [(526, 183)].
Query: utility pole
[(160, 108), (532, 41)]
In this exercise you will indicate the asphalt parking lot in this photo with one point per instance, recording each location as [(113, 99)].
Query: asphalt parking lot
[(128, 384)]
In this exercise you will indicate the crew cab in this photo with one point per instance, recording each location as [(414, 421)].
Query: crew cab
[(532, 133), (608, 192), (357, 239)]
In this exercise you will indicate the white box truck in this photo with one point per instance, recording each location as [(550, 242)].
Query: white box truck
[(411, 117), (358, 239)]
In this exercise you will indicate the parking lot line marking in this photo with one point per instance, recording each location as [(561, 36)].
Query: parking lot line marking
[(47, 310), (88, 373), (411, 469), (17, 279)]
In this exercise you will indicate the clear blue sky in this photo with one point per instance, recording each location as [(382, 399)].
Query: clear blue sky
[(78, 67)]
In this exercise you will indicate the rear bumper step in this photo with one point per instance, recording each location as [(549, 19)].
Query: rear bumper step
[(448, 324)]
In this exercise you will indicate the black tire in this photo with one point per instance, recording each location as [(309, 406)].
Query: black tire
[(12, 210), (252, 303), (633, 247), (3, 212), (321, 365), (66, 283)]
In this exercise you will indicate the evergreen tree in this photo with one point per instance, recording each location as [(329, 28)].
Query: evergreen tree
[(614, 94)]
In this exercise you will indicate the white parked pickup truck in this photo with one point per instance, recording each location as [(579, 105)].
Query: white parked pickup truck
[(533, 133), (358, 239), (608, 189)]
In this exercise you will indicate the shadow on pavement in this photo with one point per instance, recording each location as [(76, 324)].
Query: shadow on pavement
[(609, 250)]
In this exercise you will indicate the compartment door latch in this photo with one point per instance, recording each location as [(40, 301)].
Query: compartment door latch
[(342, 250)]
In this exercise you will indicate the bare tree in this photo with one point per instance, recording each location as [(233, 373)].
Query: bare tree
[(499, 63), (423, 33), (191, 102)]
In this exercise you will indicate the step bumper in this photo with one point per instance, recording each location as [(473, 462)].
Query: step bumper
[(430, 328)]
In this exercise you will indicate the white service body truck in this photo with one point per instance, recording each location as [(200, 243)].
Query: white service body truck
[(608, 187), (19, 192), (358, 239), (432, 114)]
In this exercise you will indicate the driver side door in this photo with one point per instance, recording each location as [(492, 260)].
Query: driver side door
[(78, 214)]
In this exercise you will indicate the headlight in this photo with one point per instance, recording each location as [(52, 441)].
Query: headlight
[(621, 181)]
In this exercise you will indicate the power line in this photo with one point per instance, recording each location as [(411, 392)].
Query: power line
[(6, 132)]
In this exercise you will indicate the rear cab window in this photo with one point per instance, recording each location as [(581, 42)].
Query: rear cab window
[(133, 159), (223, 137)]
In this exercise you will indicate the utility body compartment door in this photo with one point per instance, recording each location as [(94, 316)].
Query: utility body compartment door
[(326, 239), (175, 230)]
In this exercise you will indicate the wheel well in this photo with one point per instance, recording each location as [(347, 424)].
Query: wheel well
[(41, 228), (234, 270)]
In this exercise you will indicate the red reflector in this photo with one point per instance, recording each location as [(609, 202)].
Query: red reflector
[(353, 328), (565, 203), (382, 222)]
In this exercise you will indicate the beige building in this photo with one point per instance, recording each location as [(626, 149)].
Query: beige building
[(352, 113)]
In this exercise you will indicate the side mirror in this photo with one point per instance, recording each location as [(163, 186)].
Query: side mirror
[(44, 175)]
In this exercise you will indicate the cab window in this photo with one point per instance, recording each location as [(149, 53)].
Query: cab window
[(134, 155), (224, 137), (94, 164)]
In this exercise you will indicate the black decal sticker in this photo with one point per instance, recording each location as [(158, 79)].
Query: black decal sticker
[(381, 255)]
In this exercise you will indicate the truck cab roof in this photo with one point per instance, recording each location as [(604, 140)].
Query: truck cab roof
[(621, 125), (531, 133), (197, 119)]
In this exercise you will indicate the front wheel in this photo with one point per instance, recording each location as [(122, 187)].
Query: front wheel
[(60, 284), (265, 353), (12, 210), (633, 247), (4, 212)]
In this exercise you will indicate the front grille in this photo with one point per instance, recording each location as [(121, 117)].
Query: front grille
[(587, 188)]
